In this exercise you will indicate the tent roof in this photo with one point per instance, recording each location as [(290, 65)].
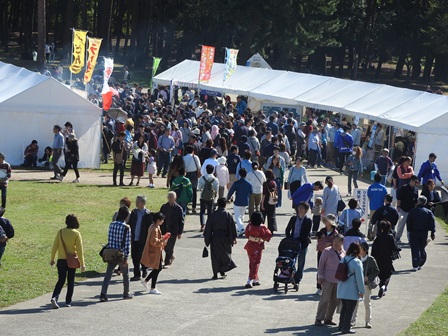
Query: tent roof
[(410, 109), (25, 89)]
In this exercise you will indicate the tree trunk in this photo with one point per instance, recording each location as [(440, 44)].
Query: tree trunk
[(416, 66), (104, 16), (441, 67), (67, 26), (341, 61), (28, 24), (381, 60), (84, 20), (4, 34), (42, 31), (121, 10), (399, 68), (429, 61), (247, 41)]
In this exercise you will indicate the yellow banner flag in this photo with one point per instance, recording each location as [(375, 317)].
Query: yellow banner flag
[(79, 49), (93, 51)]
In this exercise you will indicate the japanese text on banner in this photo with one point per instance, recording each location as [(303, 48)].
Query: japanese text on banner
[(207, 59), (93, 51), (231, 56), (79, 49)]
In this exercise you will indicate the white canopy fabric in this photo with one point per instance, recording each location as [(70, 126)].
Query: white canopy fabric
[(421, 112), (30, 104)]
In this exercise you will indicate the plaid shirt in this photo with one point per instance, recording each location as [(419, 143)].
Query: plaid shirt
[(115, 237)]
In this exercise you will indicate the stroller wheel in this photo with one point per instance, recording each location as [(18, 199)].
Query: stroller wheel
[(275, 287)]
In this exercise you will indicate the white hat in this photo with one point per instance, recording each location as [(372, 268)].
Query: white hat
[(196, 131), (222, 160)]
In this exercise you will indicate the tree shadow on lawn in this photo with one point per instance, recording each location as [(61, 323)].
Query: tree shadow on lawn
[(304, 330)]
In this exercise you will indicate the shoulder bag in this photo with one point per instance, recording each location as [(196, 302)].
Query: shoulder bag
[(372, 284), (72, 258), (114, 255), (341, 204)]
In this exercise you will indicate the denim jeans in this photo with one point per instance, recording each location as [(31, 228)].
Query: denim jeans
[(64, 273), (124, 271), (279, 192), (4, 190), (352, 175), (164, 162), (205, 205), (348, 307), (300, 264)]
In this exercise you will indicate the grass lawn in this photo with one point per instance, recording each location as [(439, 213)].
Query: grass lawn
[(37, 210), (433, 320)]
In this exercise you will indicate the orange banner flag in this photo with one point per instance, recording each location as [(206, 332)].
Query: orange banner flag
[(93, 51), (207, 59)]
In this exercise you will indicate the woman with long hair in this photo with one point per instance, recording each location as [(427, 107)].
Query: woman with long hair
[(383, 249), (140, 151), (222, 147), (68, 240), (279, 173), (173, 169), (354, 164)]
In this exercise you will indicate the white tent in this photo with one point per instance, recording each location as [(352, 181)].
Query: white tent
[(421, 112), (30, 104), (257, 61)]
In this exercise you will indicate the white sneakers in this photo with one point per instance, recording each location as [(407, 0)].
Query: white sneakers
[(154, 291), (76, 181), (145, 284), (54, 303), (151, 186), (319, 292), (415, 269)]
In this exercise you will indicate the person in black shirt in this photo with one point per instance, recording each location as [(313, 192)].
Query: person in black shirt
[(386, 212), (406, 200)]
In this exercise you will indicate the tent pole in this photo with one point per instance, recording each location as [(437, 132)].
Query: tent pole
[(71, 55)]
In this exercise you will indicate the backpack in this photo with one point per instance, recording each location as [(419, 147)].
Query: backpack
[(342, 271), (208, 193)]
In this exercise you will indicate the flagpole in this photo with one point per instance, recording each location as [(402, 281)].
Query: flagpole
[(71, 55), (199, 75), (224, 76), (86, 61)]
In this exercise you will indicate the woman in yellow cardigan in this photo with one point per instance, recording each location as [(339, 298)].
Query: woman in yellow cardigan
[(73, 243), (152, 253)]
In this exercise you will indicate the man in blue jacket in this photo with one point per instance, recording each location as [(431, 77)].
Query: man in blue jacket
[(429, 170), (242, 189), (305, 193), (345, 146), (420, 220)]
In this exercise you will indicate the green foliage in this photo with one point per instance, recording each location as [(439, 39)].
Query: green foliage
[(39, 211)]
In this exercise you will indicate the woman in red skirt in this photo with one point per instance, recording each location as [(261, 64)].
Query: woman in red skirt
[(257, 234)]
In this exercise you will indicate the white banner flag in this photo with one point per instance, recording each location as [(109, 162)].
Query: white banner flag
[(108, 69)]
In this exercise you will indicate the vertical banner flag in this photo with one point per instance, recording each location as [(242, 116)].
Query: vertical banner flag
[(205, 68), (107, 92), (231, 55), (155, 65), (79, 50), (93, 51)]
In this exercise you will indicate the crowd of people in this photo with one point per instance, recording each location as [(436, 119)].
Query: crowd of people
[(225, 154)]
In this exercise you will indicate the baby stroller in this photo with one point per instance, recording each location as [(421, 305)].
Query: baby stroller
[(285, 264)]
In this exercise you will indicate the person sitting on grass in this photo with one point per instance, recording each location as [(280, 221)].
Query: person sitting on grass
[(45, 160), (8, 229), (30, 154)]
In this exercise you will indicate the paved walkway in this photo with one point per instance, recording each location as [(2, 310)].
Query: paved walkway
[(192, 304)]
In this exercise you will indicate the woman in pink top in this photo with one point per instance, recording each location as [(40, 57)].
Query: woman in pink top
[(405, 172)]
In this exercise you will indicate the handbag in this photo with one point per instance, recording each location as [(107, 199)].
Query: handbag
[(372, 284), (342, 271), (72, 258), (273, 197), (205, 252), (114, 255)]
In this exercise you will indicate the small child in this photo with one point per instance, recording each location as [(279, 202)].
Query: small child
[(222, 174), (152, 166), (316, 210)]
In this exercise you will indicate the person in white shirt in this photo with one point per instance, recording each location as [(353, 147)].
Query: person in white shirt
[(330, 140), (193, 169), (314, 145), (222, 174), (210, 161), (256, 178)]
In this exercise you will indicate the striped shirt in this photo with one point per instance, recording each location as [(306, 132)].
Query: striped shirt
[(115, 237)]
